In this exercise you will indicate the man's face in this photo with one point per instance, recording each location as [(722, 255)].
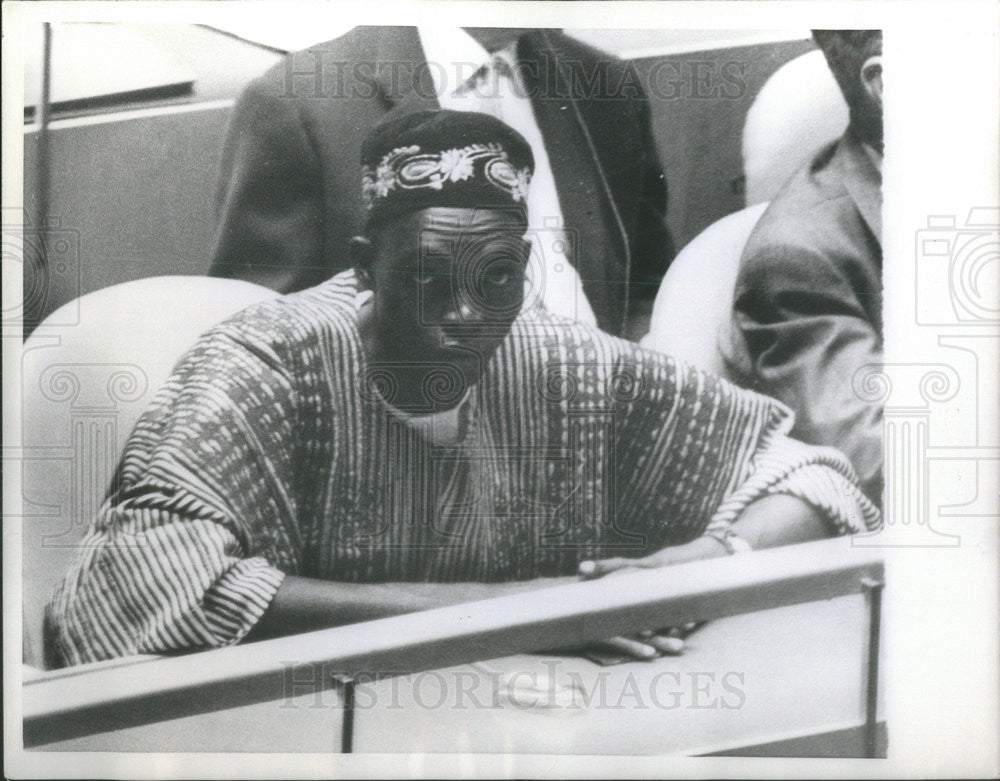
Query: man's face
[(448, 283)]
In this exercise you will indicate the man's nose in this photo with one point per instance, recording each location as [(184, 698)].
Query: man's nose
[(462, 313)]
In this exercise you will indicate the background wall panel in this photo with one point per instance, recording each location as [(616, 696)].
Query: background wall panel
[(132, 194)]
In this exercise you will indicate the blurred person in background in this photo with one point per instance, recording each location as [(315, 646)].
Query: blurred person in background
[(288, 203), (807, 312)]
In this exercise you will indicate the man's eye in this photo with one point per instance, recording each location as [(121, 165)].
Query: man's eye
[(500, 279), (500, 275)]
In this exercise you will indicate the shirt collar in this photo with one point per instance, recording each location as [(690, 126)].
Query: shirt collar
[(448, 427), (454, 56), (509, 55)]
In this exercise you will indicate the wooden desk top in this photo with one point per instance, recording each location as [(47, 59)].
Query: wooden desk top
[(742, 680), (783, 656)]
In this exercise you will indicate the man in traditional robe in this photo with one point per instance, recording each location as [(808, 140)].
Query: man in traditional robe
[(405, 436)]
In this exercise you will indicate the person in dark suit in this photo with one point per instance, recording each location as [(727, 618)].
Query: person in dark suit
[(807, 313), (288, 195)]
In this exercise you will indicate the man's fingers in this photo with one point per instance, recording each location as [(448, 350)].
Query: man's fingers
[(668, 641), (666, 644), (629, 647), (596, 569), (683, 630)]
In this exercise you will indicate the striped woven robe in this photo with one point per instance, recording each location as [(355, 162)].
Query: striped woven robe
[(271, 450)]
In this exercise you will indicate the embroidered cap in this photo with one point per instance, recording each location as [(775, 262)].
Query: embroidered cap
[(443, 158)]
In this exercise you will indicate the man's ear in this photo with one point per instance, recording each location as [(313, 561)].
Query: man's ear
[(363, 258), (871, 77), (525, 249)]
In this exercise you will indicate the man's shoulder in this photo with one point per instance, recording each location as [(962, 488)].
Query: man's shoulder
[(538, 330), (594, 74), (567, 45), (813, 214), (565, 360), (807, 198), (294, 321), (348, 55)]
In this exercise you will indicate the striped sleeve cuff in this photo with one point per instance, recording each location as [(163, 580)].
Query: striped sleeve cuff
[(177, 586), (236, 601), (820, 476)]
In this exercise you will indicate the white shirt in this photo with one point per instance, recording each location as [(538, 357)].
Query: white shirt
[(455, 57), (448, 427)]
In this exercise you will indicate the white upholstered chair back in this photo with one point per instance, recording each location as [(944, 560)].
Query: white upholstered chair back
[(797, 111), (87, 373), (696, 296)]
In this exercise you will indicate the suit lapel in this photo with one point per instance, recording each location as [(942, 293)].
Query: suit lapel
[(589, 215), (404, 80), (863, 182)]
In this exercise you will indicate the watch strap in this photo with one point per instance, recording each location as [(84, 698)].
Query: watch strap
[(730, 540)]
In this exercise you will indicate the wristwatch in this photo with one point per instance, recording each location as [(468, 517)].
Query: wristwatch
[(730, 540)]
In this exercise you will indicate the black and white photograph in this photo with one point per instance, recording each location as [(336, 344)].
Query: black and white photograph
[(390, 391)]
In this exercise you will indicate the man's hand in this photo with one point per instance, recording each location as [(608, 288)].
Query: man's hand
[(766, 523), (600, 568), (642, 646), (647, 644), (701, 548)]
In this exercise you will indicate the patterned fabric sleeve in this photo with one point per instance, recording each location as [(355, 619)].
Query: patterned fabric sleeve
[(191, 544), (820, 476), (696, 450)]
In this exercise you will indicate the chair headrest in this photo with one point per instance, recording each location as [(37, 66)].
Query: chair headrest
[(799, 110)]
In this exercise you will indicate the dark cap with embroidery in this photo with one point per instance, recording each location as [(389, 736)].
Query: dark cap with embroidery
[(443, 158)]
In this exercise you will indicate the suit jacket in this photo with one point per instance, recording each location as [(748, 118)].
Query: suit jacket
[(807, 310), (289, 197)]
